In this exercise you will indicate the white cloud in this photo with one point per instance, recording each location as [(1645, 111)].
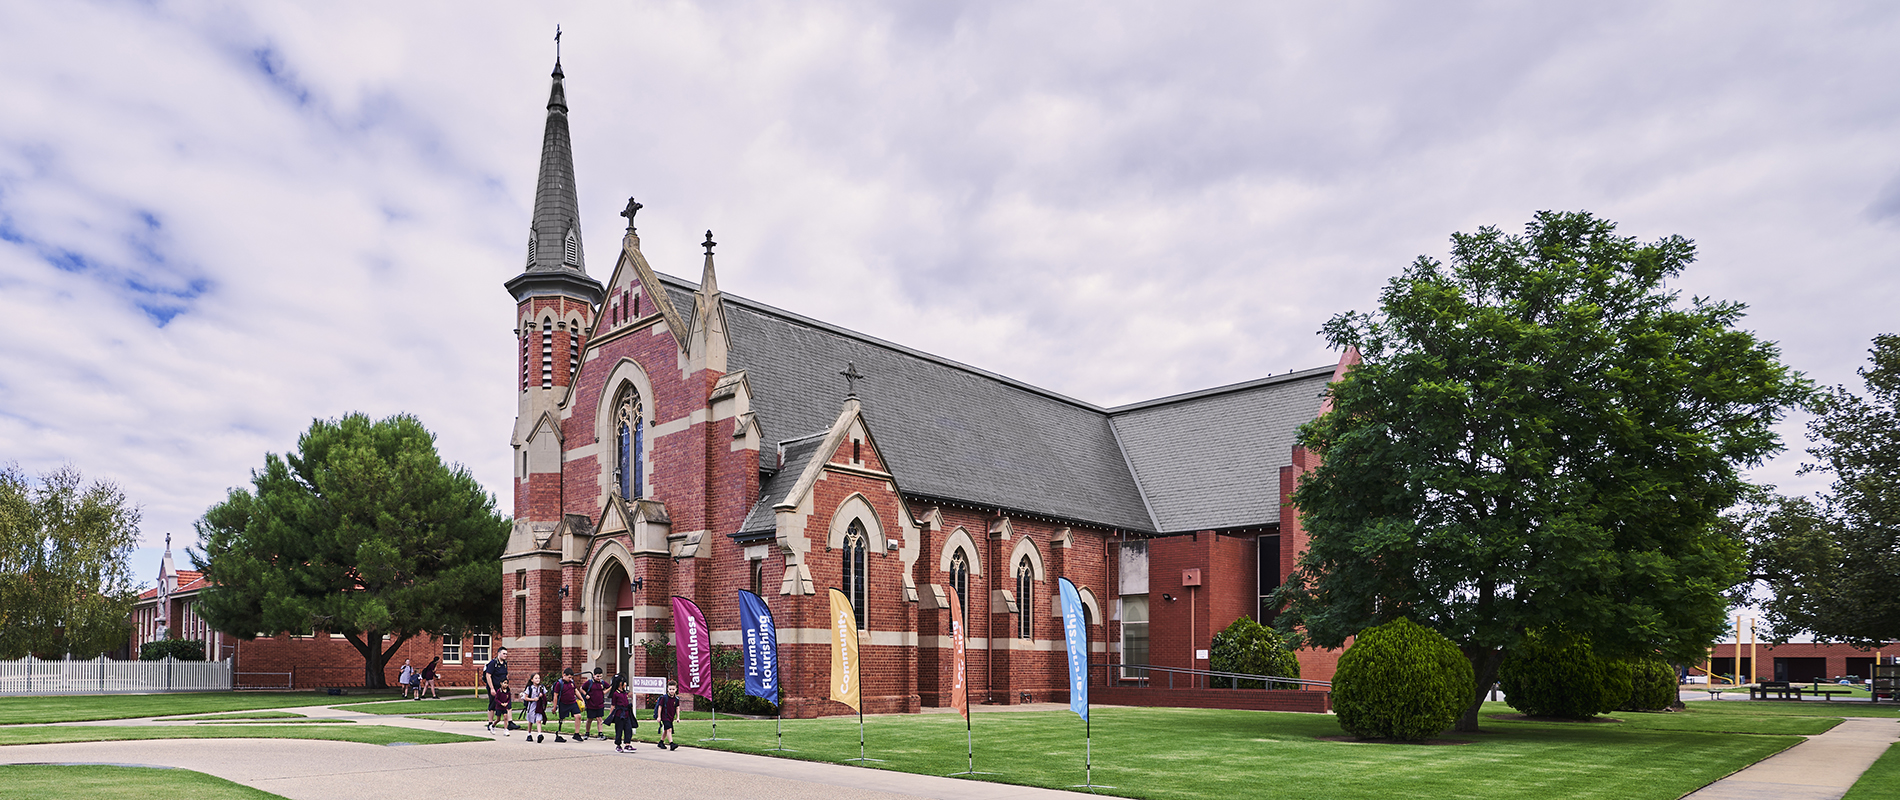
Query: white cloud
[(218, 221)]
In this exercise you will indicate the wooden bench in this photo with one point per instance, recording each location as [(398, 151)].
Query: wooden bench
[(1781, 690)]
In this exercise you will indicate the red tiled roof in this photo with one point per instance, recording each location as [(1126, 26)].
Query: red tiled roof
[(188, 581)]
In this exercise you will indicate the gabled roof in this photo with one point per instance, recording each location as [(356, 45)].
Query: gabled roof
[(188, 581), (952, 432), (1211, 459)]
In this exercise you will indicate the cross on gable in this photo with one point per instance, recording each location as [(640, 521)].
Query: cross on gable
[(633, 207), (851, 378)]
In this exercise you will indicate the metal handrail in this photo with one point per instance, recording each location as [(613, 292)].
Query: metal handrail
[(1196, 676)]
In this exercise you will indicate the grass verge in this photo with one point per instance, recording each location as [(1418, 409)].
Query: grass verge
[(98, 782), (1802, 708), (1881, 781), (410, 708), (82, 708), (366, 734), (240, 715), (1165, 754), (1697, 719)]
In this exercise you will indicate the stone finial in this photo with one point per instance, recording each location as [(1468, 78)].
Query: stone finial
[(709, 243)]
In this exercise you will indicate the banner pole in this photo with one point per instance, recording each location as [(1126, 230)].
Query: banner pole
[(861, 729)]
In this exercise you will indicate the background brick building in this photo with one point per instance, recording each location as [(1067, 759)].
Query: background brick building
[(315, 660)]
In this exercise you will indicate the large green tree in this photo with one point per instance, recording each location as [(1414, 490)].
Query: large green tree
[(65, 587), (1832, 566), (362, 532), (1541, 434)]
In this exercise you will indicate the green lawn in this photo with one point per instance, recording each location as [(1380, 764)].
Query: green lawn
[(367, 734), (121, 783), (1881, 781), (1166, 754), (81, 708), (1803, 708), (240, 715), (1697, 718), (446, 705)]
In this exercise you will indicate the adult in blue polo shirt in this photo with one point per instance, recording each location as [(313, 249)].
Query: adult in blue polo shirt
[(492, 677)]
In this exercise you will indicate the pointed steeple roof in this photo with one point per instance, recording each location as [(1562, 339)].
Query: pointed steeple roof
[(557, 214), (555, 261)]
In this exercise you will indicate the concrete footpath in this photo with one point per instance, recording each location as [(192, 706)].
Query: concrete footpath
[(505, 767), (1821, 768)]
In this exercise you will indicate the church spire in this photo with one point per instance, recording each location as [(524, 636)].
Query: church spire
[(555, 232), (556, 263)]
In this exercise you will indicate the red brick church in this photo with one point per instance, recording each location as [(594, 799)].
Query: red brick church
[(673, 439)]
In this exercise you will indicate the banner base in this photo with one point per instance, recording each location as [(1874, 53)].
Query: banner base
[(1088, 786), (968, 772), (865, 759), (716, 739)]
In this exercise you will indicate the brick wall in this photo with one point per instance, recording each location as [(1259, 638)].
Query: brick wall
[(323, 661)]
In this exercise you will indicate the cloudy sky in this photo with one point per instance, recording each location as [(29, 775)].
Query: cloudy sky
[(220, 221)]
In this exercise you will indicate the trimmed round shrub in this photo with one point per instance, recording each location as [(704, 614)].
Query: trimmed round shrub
[(1618, 679), (178, 649), (1652, 685), (1557, 674), (1401, 680), (1249, 648)]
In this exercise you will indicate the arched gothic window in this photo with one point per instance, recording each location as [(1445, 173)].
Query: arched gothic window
[(1025, 599), (854, 570), (629, 444), (960, 578)]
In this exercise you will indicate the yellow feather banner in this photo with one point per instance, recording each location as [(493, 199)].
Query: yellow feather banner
[(844, 652)]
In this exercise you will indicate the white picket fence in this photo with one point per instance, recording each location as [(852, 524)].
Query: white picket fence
[(105, 676)]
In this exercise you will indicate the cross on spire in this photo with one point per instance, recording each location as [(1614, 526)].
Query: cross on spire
[(709, 243), (557, 44), (851, 378), (633, 207)]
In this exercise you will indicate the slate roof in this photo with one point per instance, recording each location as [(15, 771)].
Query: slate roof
[(797, 455), (1211, 459), (556, 208), (948, 431)]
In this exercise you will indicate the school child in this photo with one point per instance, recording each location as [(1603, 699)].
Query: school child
[(407, 678), (534, 705), (499, 701), (667, 707), (623, 719), (428, 680), (595, 692), (566, 695)]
